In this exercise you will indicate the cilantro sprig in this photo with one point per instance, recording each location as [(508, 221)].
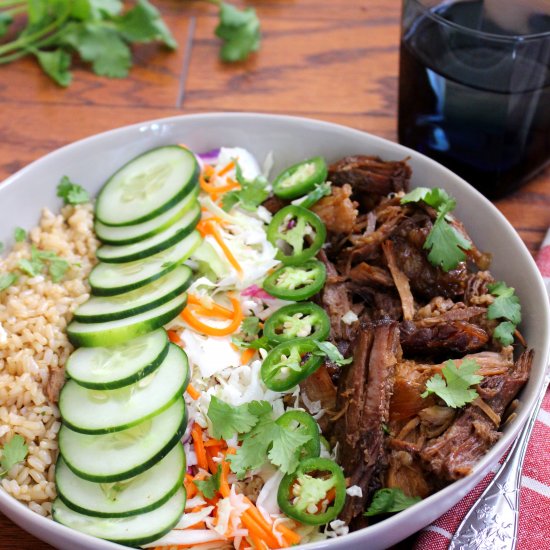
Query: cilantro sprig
[(211, 485), (250, 195), (445, 243), (13, 452), (262, 438), (71, 192), (6, 280), (505, 306), (386, 501), (42, 259), (101, 32), (455, 388), (332, 353)]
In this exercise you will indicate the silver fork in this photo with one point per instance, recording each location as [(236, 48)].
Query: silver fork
[(492, 523)]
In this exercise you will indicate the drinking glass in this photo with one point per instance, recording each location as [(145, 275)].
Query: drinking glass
[(474, 87)]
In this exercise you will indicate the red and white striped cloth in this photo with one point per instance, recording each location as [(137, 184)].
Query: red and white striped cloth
[(534, 519)]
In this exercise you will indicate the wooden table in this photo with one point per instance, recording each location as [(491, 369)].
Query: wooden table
[(334, 60)]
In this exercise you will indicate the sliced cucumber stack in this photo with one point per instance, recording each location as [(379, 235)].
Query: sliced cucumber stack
[(129, 234), (121, 455), (121, 466), (111, 333), (147, 186), (101, 411), (118, 366), (133, 530), (136, 495), (110, 308), (157, 243), (112, 279)]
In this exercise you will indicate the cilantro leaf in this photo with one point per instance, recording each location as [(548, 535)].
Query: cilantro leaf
[(31, 267), (506, 304), (143, 23), (210, 486), (315, 195), (70, 192), (435, 197), (19, 234), (286, 449), (455, 389), (101, 46), (250, 326), (56, 65), (5, 21), (258, 343), (6, 280), (57, 269), (332, 353), (239, 31), (446, 245), (14, 451), (228, 420), (249, 196), (386, 501), (251, 454), (504, 333)]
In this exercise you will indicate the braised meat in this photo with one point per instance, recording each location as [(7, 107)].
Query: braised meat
[(364, 391), (454, 454), (338, 211)]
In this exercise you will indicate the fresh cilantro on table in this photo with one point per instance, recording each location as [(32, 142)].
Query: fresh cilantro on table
[(71, 192), (445, 243), (14, 451), (40, 259), (6, 280), (239, 31), (19, 234), (455, 388), (386, 501), (332, 353), (262, 438), (250, 195), (211, 485), (101, 32)]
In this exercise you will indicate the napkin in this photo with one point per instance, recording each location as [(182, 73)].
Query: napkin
[(534, 519)]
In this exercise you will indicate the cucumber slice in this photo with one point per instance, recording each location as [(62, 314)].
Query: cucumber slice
[(101, 411), (118, 366), (110, 308), (123, 454), (133, 530), (112, 279), (143, 493), (147, 186), (129, 234), (111, 333), (152, 245)]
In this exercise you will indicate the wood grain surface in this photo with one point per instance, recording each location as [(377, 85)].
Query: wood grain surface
[(335, 60)]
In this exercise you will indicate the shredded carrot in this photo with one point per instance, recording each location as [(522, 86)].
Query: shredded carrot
[(196, 434), (235, 348), (192, 391), (247, 355), (225, 491), (212, 466), (289, 535), (229, 166), (192, 321), (210, 227), (174, 337), (190, 487), (259, 544), (214, 191), (210, 308), (215, 443)]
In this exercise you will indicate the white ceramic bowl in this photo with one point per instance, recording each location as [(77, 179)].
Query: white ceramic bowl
[(90, 161)]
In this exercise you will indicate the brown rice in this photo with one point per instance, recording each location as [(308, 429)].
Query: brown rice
[(34, 313)]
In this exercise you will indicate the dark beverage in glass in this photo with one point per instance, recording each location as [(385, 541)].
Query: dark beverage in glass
[(474, 88)]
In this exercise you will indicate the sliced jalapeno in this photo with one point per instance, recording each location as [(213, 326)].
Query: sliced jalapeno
[(303, 423), (299, 179), (298, 234), (296, 282), (289, 363), (315, 493), (304, 320)]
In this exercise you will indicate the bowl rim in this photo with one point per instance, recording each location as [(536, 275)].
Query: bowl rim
[(17, 511)]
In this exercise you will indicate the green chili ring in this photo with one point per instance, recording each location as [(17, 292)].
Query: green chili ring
[(300, 178), (296, 283), (297, 503), (286, 323), (287, 364)]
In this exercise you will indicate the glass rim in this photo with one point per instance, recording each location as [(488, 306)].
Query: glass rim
[(482, 34)]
